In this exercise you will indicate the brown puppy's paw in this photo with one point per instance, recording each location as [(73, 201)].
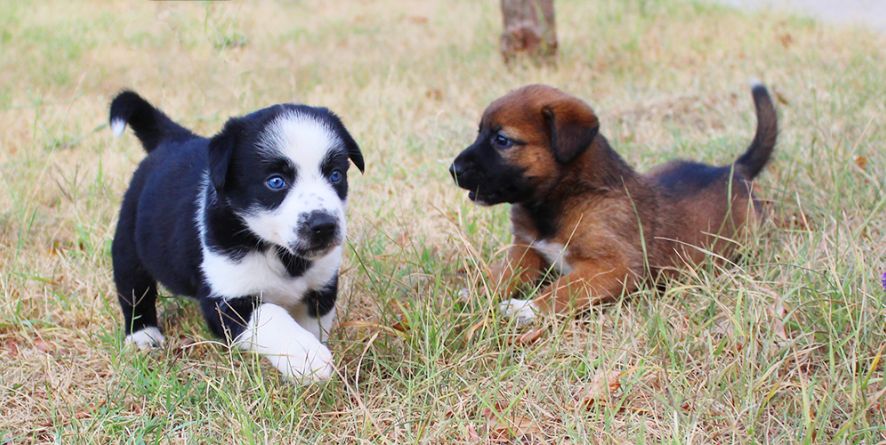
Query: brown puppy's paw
[(523, 312)]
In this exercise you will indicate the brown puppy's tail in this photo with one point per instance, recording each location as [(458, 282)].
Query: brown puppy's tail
[(758, 153)]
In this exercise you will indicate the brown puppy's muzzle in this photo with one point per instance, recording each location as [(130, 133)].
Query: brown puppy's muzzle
[(487, 177), (464, 171)]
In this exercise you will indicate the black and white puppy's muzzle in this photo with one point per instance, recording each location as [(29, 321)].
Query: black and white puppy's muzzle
[(318, 232)]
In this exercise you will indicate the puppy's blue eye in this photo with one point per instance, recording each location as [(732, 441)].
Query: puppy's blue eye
[(502, 141), (276, 182), (336, 176)]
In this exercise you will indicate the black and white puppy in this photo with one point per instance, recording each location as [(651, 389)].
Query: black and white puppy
[(249, 222)]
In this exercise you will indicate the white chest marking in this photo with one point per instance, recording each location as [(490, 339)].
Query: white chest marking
[(554, 253), (262, 273)]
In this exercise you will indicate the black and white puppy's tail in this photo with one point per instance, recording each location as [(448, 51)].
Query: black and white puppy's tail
[(758, 153), (151, 126)]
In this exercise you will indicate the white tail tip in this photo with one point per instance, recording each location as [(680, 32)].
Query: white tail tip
[(117, 126), (754, 82)]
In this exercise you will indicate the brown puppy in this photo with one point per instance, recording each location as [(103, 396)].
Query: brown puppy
[(579, 209)]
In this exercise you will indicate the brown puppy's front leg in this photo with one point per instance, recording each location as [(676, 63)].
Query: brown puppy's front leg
[(590, 282), (522, 265)]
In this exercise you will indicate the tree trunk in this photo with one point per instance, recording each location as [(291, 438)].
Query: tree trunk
[(529, 28)]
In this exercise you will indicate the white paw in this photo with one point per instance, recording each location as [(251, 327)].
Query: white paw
[(305, 367), (292, 349), (147, 338), (522, 311)]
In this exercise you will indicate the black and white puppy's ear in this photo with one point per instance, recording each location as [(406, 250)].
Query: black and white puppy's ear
[(351, 146), (572, 126), (354, 152), (221, 150)]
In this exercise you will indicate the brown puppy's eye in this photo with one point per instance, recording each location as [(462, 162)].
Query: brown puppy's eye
[(502, 141)]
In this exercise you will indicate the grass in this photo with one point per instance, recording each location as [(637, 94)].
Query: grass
[(784, 347)]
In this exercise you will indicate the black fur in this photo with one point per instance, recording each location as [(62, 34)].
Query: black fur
[(760, 151), (688, 176), (150, 124), (227, 317), (545, 217), (320, 301), (483, 171)]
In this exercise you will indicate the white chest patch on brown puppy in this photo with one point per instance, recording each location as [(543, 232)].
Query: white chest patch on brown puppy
[(554, 254)]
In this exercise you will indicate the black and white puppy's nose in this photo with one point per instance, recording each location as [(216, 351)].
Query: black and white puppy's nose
[(319, 229), (322, 225)]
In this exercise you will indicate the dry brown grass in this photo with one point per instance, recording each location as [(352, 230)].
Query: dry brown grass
[(784, 347)]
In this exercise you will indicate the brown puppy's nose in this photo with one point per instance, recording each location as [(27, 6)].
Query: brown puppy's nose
[(461, 168), (455, 170)]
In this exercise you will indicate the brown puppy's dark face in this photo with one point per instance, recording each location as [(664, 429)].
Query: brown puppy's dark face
[(525, 140)]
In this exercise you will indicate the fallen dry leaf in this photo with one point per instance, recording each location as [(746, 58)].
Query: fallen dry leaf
[(505, 429), (473, 329), (512, 429), (401, 325), (778, 312), (529, 337), (11, 346), (781, 99), (876, 403), (43, 346), (56, 248), (861, 162), (434, 94), (92, 408), (602, 386), (472, 434), (797, 220), (786, 40)]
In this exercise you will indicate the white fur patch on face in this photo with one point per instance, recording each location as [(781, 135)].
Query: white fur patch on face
[(147, 338), (305, 142), (522, 311), (294, 351)]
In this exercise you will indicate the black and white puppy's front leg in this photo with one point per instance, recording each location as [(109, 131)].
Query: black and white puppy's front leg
[(269, 330), (316, 312)]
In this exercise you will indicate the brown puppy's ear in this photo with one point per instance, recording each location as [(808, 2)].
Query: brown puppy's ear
[(572, 125)]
